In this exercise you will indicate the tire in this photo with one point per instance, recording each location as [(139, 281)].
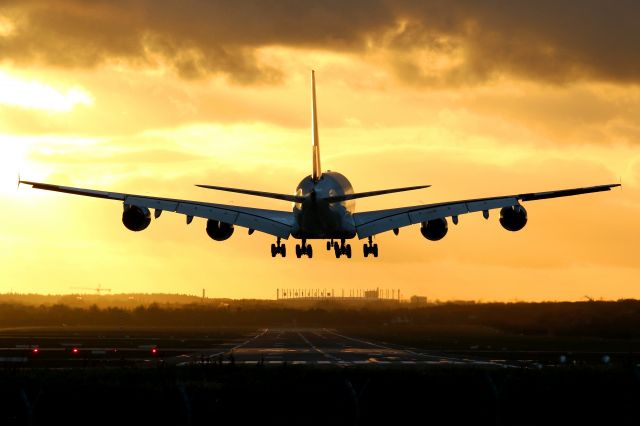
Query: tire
[(298, 251), (309, 251), (348, 250), (328, 245), (365, 250), (273, 250), (375, 250), (283, 250), (336, 249)]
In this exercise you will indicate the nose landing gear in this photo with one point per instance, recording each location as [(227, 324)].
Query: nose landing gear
[(370, 248), (278, 249), (304, 249), (330, 245), (342, 249)]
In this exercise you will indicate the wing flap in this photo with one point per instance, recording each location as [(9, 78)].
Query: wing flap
[(384, 224), (491, 203), (425, 215)]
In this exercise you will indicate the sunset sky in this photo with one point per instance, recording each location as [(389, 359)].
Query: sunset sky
[(475, 98)]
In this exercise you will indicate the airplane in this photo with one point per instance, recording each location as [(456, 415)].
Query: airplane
[(323, 209)]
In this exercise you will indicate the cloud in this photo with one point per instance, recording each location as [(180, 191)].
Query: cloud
[(431, 42)]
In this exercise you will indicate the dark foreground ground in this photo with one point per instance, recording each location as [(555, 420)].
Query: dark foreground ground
[(297, 395), (324, 376)]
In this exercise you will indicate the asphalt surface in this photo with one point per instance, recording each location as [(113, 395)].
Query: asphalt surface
[(298, 346)]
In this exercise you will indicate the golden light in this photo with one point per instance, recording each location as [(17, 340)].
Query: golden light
[(11, 157), (33, 94), (6, 27)]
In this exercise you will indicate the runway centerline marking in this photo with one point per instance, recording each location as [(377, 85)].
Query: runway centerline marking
[(320, 351)]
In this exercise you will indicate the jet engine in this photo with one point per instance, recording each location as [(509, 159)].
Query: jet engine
[(513, 218), (219, 231), (136, 218), (434, 230)]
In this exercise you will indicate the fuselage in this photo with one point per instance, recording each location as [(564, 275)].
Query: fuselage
[(316, 217)]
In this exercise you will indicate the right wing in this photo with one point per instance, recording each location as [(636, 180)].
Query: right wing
[(273, 222), (376, 222)]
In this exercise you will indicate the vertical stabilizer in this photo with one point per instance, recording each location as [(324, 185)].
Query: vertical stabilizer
[(317, 170)]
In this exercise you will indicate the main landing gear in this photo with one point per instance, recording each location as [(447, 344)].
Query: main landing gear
[(278, 249), (340, 249), (304, 249), (370, 248)]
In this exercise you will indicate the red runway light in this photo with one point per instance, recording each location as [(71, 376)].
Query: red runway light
[(35, 350), (154, 351), (75, 350)]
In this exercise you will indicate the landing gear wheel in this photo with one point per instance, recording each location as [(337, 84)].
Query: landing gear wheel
[(348, 251), (283, 250), (274, 250), (365, 249), (328, 245), (309, 251), (375, 250), (337, 250), (298, 251)]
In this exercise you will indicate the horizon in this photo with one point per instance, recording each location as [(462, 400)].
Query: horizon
[(405, 300), (154, 99)]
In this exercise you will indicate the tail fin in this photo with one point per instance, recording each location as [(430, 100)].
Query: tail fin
[(317, 170)]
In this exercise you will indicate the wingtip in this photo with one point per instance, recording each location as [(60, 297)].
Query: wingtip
[(20, 181)]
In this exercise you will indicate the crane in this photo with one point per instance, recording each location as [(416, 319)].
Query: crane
[(96, 289)]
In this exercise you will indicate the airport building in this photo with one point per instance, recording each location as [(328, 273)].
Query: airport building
[(372, 295)]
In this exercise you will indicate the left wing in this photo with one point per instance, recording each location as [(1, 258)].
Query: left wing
[(376, 222), (277, 223)]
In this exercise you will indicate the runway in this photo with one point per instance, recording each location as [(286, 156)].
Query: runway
[(321, 346)]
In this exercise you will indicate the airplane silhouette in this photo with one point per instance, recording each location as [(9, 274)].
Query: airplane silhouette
[(324, 208)]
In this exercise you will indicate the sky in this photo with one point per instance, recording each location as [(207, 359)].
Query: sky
[(474, 98)]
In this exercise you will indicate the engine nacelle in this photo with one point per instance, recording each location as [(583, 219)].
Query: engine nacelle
[(513, 218), (219, 231), (434, 230), (136, 218)]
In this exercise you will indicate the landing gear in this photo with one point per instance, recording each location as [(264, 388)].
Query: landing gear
[(370, 248), (278, 249), (342, 249), (304, 249)]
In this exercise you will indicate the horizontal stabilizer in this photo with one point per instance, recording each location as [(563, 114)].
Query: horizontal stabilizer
[(339, 198), (285, 197)]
